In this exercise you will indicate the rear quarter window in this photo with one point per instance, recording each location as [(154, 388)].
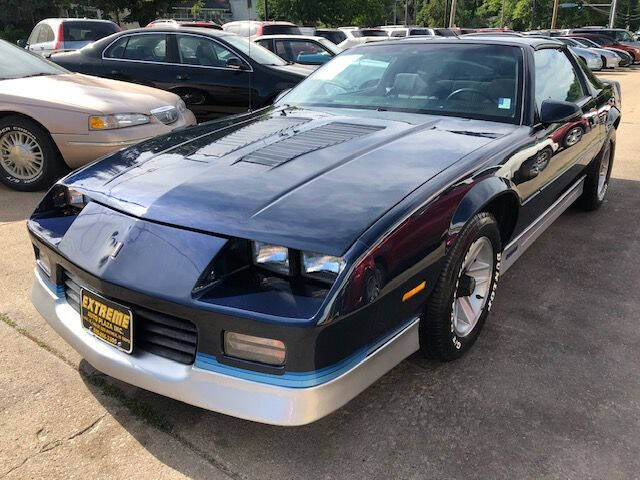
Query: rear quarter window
[(87, 31)]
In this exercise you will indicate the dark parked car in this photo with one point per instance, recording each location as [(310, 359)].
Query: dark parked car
[(215, 72), (274, 265)]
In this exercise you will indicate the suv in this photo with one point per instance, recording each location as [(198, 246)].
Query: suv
[(66, 34), (253, 29)]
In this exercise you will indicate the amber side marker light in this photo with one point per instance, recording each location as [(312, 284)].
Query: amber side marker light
[(414, 291)]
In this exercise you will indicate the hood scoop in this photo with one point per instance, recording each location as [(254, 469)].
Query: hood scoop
[(308, 141), (251, 133)]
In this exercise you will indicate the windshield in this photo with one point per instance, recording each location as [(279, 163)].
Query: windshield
[(418, 31), (254, 51), (471, 81), (569, 41), (587, 43), (623, 36), (601, 40), (369, 32), (19, 63)]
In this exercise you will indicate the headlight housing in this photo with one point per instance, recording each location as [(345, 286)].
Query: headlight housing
[(272, 257), (117, 120), (321, 267)]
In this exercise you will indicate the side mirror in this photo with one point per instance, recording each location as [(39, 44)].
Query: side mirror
[(281, 94), (556, 111), (22, 43), (237, 64)]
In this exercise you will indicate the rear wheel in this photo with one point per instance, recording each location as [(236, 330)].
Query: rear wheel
[(462, 298), (596, 184), (29, 160)]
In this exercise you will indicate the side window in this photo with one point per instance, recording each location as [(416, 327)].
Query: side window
[(116, 50), (266, 44), (202, 51), (556, 79), (398, 33), (281, 50), (48, 34), (304, 51), (33, 38), (146, 47)]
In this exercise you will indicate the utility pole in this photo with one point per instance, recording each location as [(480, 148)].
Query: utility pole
[(612, 14), (554, 17), (266, 9), (406, 12), (395, 12), (452, 17)]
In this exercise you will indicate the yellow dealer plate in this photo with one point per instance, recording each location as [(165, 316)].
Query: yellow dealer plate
[(107, 320)]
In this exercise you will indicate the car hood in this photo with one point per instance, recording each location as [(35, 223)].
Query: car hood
[(74, 91), (306, 179), (296, 69)]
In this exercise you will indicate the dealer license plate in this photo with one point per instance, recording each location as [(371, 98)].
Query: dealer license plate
[(107, 320)]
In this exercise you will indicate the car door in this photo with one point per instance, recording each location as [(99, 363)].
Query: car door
[(211, 77), (144, 58), (559, 151)]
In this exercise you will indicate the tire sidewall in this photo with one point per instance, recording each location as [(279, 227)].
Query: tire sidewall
[(485, 228), (52, 165)]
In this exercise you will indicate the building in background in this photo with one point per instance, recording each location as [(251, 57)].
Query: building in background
[(220, 11)]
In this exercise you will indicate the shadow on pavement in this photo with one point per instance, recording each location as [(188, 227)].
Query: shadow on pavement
[(16, 205), (550, 389)]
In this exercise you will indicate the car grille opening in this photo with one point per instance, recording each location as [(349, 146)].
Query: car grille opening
[(154, 332)]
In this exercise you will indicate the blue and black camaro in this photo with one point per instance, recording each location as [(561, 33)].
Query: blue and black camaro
[(273, 265)]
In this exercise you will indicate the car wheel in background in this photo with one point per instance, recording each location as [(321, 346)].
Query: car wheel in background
[(462, 297), (597, 182), (29, 160)]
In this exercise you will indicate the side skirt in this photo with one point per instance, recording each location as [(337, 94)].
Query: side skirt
[(523, 241)]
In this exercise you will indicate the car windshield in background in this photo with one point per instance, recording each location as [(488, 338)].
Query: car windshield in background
[(256, 52), (367, 32), (471, 81), (87, 31), (586, 42), (19, 63), (281, 30), (444, 32), (418, 31)]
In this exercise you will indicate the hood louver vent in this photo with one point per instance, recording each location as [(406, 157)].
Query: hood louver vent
[(314, 139), (251, 133)]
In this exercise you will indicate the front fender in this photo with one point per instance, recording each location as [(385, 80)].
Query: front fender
[(478, 198)]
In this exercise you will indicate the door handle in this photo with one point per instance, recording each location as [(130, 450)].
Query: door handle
[(182, 77), (115, 72)]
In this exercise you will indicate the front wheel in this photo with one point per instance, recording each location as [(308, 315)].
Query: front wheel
[(462, 297), (29, 160)]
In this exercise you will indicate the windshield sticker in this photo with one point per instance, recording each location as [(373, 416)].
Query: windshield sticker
[(504, 103)]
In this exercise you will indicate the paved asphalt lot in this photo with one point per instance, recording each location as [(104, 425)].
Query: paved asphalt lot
[(551, 389)]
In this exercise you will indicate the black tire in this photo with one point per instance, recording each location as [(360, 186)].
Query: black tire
[(593, 194), (438, 338), (52, 167)]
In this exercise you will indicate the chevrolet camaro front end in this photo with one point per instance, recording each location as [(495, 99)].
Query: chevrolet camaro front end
[(273, 265)]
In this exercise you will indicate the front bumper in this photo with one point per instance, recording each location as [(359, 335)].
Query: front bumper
[(251, 400)]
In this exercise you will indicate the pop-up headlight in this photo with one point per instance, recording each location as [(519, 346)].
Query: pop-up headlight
[(321, 267), (272, 257)]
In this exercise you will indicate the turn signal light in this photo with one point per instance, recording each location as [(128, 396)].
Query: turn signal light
[(258, 349)]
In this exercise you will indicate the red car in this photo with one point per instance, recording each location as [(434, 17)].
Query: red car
[(608, 42)]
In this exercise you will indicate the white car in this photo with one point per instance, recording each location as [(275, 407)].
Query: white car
[(358, 36), (54, 35)]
